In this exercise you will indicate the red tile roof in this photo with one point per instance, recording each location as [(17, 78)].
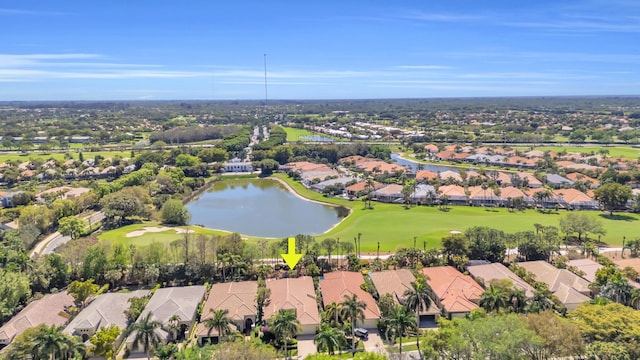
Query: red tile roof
[(336, 285), (455, 291)]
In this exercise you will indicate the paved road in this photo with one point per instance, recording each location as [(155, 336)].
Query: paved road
[(53, 241)]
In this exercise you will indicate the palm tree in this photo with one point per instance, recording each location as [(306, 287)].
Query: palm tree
[(353, 310), (284, 325), (369, 187), (145, 332), (220, 322), (329, 338), (542, 196), (418, 299), (399, 322), (50, 344), (518, 301), (493, 299), (332, 313), (173, 326)]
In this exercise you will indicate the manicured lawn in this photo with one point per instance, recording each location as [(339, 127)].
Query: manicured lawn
[(17, 157), (120, 235), (626, 152), (394, 226), (293, 134)]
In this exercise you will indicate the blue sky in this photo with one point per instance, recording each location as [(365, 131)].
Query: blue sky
[(116, 50)]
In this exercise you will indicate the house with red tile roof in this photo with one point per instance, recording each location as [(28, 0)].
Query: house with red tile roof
[(457, 294), (480, 196), (511, 192), (431, 149), (578, 177), (577, 199), (297, 294), (449, 175), (238, 298), (360, 188), (453, 193), (336, 285), (426, 176)]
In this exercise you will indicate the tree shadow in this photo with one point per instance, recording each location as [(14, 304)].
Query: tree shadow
[(618, 217)]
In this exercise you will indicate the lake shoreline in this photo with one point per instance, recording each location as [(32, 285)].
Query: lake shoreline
[(286, 187)]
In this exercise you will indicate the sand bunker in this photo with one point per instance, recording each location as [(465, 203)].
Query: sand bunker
[(155, 229)]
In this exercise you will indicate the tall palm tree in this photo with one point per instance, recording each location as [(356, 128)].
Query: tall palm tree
[(493, 299), (145, 333), (329, 338), (284, 325), (418, 299), (400, 321), (353, 310), (518, 301), (220, 322), (332, 313)]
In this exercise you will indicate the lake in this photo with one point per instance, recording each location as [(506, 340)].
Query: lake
[(414, 165), (261, 208)]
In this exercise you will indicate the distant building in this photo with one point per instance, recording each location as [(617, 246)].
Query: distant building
[(237, 165)]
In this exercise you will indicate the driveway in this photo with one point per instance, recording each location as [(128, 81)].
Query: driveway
[(374, 343), (305, 346)]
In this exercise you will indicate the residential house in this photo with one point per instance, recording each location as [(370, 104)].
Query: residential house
[(480, 196), (390, 193), (50, 311), (424, 193), (510, 193), (552, 201), (360, 188), (570, 165), (570, 289), (104, 311), (431, 149), (336, 285), (62, 192), (578, 177), (587, 267), (530, 180), (183, 302), (239, 299), (426, 176), (237, 165), (297, 294), (331, 182), (449, 175), (576, 199), (486, 273), (557, 181), (395, 283), (453, 194), (457, 294)]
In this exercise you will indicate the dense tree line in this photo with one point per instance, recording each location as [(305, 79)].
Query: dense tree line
[(183, 134)]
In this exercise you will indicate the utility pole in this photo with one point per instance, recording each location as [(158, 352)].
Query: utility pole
[(265, 80)]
